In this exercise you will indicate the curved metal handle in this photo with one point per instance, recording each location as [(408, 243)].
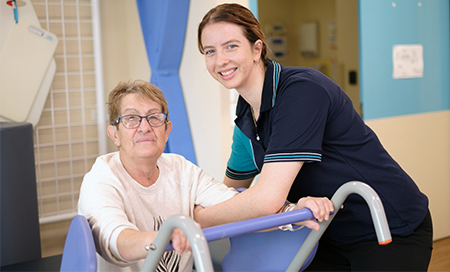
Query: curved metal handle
[(374, 203), (376, 210), (195, 236)]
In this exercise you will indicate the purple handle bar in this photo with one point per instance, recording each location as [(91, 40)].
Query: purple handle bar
[(253, 225)]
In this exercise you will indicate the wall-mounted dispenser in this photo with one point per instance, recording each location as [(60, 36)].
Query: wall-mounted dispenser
[(309, 41)]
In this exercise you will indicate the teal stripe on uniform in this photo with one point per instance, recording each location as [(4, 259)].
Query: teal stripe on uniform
[(240, 175), (276, 77), (293, 156), (297, 156)]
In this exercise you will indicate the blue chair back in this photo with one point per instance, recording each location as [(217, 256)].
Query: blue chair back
[(265, 251), (79, 250)]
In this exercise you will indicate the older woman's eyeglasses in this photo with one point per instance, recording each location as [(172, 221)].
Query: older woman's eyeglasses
[(133, 121)]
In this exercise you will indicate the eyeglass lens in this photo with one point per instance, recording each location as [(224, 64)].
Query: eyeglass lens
[(133, 121)]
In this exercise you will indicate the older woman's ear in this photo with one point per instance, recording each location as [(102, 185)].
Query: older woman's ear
[(168, 129), (112, 133)]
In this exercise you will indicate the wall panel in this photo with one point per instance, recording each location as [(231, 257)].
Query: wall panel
[(66, 139)]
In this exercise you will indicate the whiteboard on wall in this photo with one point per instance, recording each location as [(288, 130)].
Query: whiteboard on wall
[(27, 66)]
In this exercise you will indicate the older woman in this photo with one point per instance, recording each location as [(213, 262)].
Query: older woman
[(128, 194)]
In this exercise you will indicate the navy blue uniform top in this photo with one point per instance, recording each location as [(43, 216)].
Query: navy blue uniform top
[(305, 116)]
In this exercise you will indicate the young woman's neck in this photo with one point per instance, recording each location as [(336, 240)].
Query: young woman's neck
[(253, 92)]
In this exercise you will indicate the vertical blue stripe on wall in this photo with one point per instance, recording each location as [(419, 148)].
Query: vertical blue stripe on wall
[(163, 26), (253, 7), (383, 25)]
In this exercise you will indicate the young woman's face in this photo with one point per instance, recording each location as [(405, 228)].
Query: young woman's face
[(230, 58)]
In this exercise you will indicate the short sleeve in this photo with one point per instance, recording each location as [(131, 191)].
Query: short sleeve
[(298, 123), (241, 164)]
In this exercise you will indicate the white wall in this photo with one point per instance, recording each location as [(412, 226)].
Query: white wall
[(205, 99), (124, 55), (420, 144)]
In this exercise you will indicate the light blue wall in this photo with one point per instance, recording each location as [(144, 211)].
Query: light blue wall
[(253, 6), (382, 26)]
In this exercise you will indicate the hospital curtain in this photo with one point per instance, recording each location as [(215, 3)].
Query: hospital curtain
[(163, 26)]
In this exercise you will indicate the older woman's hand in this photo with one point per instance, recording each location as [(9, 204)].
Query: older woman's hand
[(180, 241)]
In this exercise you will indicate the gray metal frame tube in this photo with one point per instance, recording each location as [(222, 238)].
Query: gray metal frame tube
[(376, 210), (196, 238)]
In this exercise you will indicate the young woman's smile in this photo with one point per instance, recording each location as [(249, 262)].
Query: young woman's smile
[(227, 73)]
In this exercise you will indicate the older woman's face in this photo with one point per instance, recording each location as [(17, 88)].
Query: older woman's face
[(145, 141), (229, 56)]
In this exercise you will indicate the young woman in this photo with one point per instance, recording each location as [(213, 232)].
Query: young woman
[(300, 132)]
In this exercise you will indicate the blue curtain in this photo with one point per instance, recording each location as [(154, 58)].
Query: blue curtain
[(164, 28)]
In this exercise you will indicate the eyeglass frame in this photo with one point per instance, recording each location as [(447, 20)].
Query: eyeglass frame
[(119, 120)]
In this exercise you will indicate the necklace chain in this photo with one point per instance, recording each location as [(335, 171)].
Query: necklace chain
[(254, 122)]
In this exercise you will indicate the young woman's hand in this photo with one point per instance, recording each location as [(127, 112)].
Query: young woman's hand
[(321, 208)]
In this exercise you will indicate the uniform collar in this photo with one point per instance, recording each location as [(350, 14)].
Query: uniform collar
[(271, 80), (270, 86)]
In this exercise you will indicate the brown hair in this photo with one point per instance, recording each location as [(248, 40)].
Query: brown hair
[(141, 87), (239, 15)]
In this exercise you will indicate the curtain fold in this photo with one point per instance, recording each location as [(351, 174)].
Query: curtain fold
[(163, 26)]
